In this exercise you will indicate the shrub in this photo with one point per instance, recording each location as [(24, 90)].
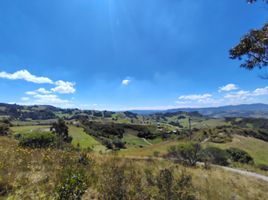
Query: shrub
[(238, 155), (186, 153), (215, 155), (38, 140), (119, 144), (5, 188), (172, 188), (263, 167), (4, 127), (113, 181), (108, 143), (72, 185), (84, 159)]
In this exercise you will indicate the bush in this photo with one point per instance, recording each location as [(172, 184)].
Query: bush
[(186, 153), (38, 140), (4, 127), (263, 167), (72, 185), (119, 144), (238, 155), (174, 188), (5, 188), (215, 155)]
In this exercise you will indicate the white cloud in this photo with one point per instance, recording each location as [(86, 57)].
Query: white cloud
[(25, 75), (228, 87), (261, 91), (242, 94), (64, 87), (125, 81), (247, 94), (194, 97), (49, 99), (38, 91), (43, 91)]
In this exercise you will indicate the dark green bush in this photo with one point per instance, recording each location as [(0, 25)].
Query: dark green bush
[(72, 185), (38, 140), (215, 155), (119, 144), (238, 155), (4, 127), (263, 167)]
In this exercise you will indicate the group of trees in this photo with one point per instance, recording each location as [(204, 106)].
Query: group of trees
[(190, 153), (111, 134), (56, 138)]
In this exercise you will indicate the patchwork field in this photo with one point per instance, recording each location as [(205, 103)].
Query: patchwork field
[(80, 138)]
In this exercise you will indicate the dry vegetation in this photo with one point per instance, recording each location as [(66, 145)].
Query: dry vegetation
[(35, 174)]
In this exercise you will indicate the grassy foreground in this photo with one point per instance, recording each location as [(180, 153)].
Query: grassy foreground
[(35, 173)]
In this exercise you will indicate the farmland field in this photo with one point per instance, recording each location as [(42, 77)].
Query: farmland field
[(79, 136)]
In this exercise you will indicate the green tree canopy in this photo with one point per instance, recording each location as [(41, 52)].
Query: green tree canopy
[(253, 47)]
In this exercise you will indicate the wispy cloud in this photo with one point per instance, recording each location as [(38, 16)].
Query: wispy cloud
[(228, 87), (242, 94), (45, 99), (25, 75), (229, 96), (195, 96)]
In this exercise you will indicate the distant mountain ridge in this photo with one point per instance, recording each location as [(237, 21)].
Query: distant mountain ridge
[(50, 112), (257, 110)]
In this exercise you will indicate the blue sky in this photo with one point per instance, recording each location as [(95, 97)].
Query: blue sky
[(127, 54)]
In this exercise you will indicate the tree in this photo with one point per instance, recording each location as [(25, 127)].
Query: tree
[(187, 153), (61, 130), (253, 47)]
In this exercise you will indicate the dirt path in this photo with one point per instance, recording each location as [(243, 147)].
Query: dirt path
[(243, 172), (238, 171)]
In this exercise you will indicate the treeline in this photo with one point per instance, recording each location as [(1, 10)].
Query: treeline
[(261, 123)]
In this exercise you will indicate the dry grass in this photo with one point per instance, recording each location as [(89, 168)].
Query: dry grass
[(34, 173)]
